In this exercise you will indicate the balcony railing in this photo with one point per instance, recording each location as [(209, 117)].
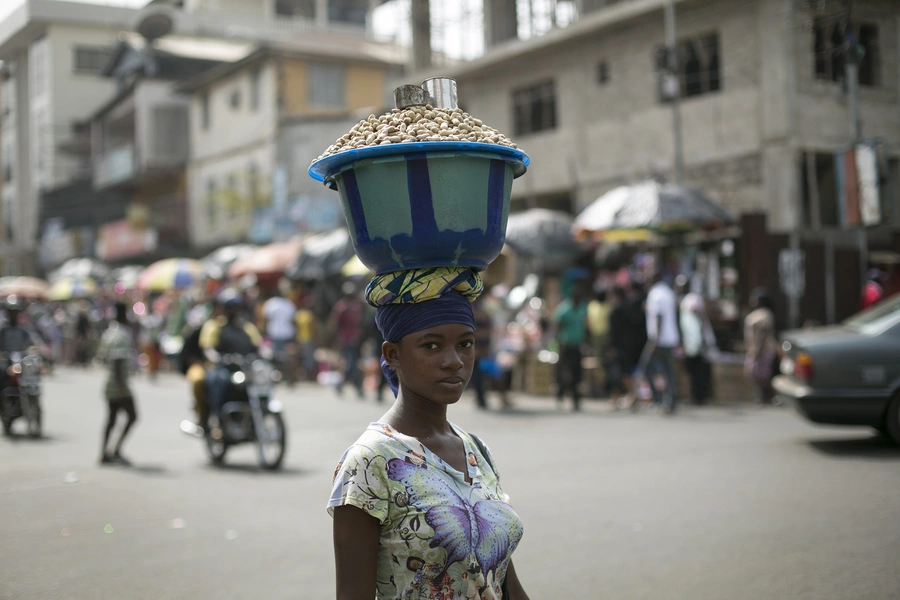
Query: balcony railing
[(115, 166)]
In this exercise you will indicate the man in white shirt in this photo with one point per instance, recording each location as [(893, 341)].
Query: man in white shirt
[(280, 327), (663, 337)]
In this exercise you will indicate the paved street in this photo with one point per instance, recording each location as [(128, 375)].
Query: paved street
[(728, 502)]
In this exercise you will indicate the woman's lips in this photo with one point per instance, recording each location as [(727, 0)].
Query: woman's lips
[(452, 383)]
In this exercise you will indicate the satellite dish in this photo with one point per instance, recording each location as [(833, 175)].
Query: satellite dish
[(155, 26)]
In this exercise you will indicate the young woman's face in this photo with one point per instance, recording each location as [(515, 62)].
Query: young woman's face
[(436, 363)]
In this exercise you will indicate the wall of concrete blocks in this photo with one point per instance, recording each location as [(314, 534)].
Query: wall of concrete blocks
[(741, 144)]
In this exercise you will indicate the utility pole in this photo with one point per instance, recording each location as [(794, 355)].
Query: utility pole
[(672, 88), (853, 53)]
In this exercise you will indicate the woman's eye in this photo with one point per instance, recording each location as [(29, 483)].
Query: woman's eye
[(430, 346), (467, 344)]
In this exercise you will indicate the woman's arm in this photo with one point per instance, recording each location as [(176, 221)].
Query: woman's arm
[(356, 537), (516, 591)]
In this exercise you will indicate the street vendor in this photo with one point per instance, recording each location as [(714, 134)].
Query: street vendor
[(417, 504)]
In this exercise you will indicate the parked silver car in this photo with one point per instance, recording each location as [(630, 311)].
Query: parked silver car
[(847, 374)]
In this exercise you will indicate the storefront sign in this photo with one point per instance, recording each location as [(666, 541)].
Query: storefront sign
[(792, 272), (120, 240), (59, 244)]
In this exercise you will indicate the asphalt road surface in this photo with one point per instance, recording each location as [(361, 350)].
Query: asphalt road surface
[(727, 502)]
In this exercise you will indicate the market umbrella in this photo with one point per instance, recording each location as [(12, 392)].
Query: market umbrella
[(266, 261), (125, 277), (70, 288), (215, 264), (81, 268), (634, 212), (542, 233), (323, 255), (169, 274), (30, 288), (355, 268)]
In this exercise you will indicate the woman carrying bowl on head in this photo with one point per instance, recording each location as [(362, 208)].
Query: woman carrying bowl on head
[(417, 503)]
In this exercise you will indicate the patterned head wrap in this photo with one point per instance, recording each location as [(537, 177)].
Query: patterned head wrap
[(410, 301)]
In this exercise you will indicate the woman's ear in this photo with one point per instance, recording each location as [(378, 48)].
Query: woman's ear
[(391, 353)]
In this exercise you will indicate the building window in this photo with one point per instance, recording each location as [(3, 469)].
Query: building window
[(697, 67), (253, 186), (325, 85), (212, 209), (534, 108), (295, 8), (234, 198), (91, 59), (255, 83), (602, 72), (234, 99), (204, 110), (830, 51)]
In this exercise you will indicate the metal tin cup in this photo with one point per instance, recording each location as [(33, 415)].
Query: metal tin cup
[(441, 92), (410, 95)]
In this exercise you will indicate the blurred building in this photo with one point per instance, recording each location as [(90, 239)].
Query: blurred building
[(53, 55), (765, 110), (140, 139), (587, 101), (258, 122)]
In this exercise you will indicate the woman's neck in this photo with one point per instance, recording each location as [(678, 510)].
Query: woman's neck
[(417, 417)]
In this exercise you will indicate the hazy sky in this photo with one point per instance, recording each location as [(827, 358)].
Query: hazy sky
[(457, 24)]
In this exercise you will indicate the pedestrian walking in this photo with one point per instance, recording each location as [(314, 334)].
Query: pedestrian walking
[(698, 343), (417, 503), (347, 323), (598, 311), (873, 291), (116, 347), (484, 370), (624, 348), (658, 358), (570, 320), (761, 344)]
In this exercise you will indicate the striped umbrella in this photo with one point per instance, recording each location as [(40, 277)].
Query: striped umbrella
[(69, 288), (169, 274), (30, 288)]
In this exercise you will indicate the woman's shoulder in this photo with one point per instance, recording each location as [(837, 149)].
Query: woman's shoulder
[(377, 439)]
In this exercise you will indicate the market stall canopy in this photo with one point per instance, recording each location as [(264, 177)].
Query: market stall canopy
[(169, 274), (323, 255), (542, 233), (70, 288), (635, 212), (126, 277), (215, 264), (81, 268), (267, 261), (355, 268), (29, 288)]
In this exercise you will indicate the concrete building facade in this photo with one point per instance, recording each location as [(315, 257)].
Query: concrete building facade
[(245, 116), (586, 101), (53, 53)]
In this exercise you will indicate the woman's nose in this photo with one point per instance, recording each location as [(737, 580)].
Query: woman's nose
[(453, 360)]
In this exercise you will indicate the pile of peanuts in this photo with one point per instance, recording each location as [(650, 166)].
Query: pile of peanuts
[(418, 124)]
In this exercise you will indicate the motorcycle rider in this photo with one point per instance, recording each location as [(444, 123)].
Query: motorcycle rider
[(193, 359), (227, 334), (14, 337)]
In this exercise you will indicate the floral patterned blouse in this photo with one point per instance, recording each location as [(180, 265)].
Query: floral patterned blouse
[(441, 537)]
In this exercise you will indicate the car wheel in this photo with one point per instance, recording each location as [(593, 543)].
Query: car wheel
[(892, 419)]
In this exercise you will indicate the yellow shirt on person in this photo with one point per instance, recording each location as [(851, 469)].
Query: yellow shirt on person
[(211, 330), (598, 317)]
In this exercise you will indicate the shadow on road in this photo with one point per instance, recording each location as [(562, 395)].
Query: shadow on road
[(253, 469), (23, 438), (876, 446)]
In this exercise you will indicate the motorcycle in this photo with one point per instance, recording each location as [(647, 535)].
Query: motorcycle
[(250, 413), (22, 392)]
